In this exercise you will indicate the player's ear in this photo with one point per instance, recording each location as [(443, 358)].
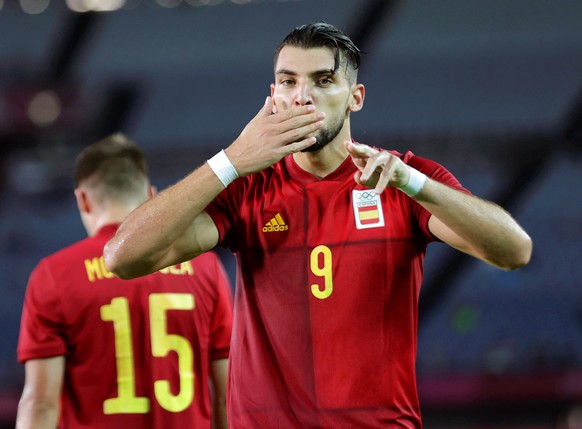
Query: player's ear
[(83, 202), (357, 97)]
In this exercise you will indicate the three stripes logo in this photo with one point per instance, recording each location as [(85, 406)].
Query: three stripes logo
[(277, 224)]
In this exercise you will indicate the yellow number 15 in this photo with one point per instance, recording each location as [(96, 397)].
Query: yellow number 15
[(127, 401)]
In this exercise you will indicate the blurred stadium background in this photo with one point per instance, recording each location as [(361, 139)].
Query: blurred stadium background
[(490, 88)]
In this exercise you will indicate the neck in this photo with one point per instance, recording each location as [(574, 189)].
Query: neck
[(113, 215), (326, 160)]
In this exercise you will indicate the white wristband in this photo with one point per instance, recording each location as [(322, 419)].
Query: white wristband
[(223, 168), (415, 182)]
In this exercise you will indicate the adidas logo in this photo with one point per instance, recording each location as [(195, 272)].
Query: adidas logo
[(276, 224)]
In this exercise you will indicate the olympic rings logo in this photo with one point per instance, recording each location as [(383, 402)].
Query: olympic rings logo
[(366, 196)]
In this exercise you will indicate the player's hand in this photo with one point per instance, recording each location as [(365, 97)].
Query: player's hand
[(269, 137), (377, 169)]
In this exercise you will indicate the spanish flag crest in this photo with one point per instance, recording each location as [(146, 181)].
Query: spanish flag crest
[(367, 209)]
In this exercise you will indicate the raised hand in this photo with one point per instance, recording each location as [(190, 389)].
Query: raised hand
[(377, 169), (269, 137)]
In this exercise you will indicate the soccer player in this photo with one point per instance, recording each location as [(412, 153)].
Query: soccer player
[(329, 236), (101, 352)]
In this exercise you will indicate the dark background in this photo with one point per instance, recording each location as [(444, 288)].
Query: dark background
[(492, 89)]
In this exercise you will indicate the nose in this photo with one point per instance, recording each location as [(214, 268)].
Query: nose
[(303, 95)]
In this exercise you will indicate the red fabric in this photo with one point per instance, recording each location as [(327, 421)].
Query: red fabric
[(75, 307), (347, 357)]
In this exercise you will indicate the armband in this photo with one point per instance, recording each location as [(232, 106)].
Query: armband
[(223, 168), (415, 182)]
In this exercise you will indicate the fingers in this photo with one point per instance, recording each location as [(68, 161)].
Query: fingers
[(293, 115), (265, 110), (298, 146), (369, 160), (384, 179), (268, 106), (376, 168), (359, 150), (270, 136), (301, 128), (300, 120)]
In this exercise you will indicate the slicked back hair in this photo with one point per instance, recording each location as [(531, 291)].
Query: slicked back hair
[(323, 35)]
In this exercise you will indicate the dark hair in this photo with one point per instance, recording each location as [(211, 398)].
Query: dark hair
[(115, 164), (321, 34)]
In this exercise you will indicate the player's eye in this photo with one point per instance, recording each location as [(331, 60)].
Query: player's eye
[(325, 81)]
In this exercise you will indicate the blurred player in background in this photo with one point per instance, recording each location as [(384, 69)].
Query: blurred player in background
[(330, 237), (101, 352)]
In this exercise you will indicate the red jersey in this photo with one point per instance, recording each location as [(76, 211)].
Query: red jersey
[(137, 352), (328, 280)]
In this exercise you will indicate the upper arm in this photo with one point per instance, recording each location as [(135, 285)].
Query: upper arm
[(44, 378), (218, 376), (448, 236), (201, 236)]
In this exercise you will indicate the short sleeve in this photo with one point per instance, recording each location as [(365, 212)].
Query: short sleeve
[(437, 172), (221, 325), (224, 210), (41, 329)]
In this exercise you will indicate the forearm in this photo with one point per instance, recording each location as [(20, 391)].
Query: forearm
[(481, 228), (219, 419), (149, 238), (33, 414), (468, 223), (218, 381)]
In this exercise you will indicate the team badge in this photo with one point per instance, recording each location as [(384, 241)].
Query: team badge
[(367, 209)]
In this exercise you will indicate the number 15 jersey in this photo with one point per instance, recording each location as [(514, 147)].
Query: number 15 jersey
[(137, 352), (328, 280)]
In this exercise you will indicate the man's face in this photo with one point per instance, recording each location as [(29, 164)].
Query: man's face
[(306, 76)]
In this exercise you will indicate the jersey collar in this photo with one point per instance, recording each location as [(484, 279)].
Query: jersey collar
[(346, 169)]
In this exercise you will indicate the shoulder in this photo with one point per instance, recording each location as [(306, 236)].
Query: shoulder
[(432, 169), (414, 160), (63, 254), (74, 251), (260, 178), (67, 263), (249, 187), (426, 165)]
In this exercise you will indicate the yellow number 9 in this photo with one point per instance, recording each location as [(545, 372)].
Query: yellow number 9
[(324, 270)]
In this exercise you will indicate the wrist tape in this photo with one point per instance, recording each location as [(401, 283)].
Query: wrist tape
[(415, 182), (223, 168)]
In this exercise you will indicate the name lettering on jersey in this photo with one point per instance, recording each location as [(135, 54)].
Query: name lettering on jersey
[(96, 269), (185, 268), (277, 224), (368, 211)]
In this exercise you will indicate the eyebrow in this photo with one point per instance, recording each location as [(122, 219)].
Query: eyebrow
[(312, 74)]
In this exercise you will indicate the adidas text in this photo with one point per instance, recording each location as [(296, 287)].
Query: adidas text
[(272, 228)]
